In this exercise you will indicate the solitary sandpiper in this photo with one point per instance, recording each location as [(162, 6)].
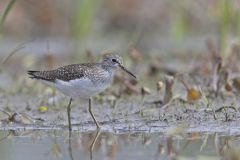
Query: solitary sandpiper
[(82, 80)]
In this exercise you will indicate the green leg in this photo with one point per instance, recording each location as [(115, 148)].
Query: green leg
[(69, 117), (90, 111)]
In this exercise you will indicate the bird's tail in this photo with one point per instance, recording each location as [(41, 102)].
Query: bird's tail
[(33, 74), (43, 75)]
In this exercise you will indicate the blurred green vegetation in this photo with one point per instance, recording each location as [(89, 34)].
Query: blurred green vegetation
[(5, 13), (228, 17), (224, 21), (133, 20), (179, 27), (179, 24), (84, 17)]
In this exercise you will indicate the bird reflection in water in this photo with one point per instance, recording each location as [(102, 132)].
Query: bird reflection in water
[(95, 138)]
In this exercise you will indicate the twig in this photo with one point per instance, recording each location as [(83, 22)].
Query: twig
[(5, 59), (225, 107)]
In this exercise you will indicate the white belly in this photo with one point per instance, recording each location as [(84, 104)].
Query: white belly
[(80, 88)]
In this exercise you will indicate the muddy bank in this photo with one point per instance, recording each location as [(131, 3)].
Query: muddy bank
[(127, 116)]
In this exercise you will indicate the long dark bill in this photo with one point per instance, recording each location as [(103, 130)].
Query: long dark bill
[(123, 68)]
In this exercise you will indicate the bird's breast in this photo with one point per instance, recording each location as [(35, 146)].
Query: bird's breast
[(82, 88)]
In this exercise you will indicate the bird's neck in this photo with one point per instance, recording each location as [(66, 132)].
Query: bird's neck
[(108, 68)]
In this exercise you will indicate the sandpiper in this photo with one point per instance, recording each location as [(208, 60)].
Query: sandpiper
[(82, 80)]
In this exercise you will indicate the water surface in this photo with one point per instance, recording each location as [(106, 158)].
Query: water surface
[(44, 145)]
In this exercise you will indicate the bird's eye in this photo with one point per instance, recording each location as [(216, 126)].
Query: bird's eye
[(114, 60)]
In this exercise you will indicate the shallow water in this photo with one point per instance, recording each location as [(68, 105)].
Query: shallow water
[(131, 129), (44, 145)]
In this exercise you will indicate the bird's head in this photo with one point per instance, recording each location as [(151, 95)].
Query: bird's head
[(115, 61)]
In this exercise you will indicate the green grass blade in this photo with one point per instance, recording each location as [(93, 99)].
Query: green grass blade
[(5, 13), (84, 17)]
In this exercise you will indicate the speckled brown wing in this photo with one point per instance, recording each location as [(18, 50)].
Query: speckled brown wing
[(65, 73)]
